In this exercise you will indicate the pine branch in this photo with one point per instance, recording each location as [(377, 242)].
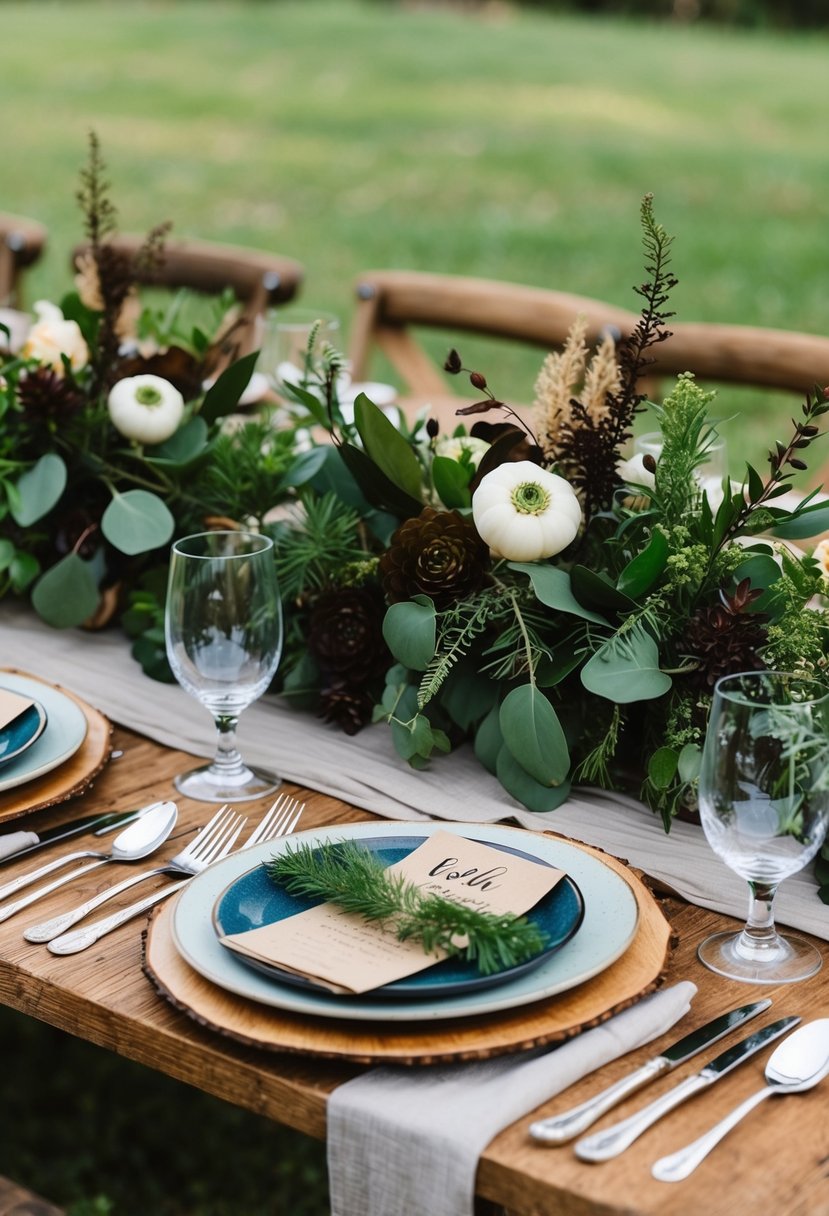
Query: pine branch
[(350, 876), (459, 626)]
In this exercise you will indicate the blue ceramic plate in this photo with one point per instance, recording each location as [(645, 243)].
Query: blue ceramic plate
[(611, 916), (254, 900), (65, 732), (22, 732)]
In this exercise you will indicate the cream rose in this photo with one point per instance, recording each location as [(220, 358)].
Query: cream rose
[(453, 447), (821, 556), (146, 409), (524, 513), (52, 336)]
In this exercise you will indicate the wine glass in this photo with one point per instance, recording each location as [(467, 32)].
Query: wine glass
[(285, 349), (764, 805), (223, 627)]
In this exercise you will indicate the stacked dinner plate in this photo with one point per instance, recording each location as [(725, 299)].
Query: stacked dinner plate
[(41, 728)]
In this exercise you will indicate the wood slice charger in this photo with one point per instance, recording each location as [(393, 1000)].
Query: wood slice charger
[(639, 971), (70, 778)]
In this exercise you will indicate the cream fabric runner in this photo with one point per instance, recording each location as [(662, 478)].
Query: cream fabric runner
[(366, 771)]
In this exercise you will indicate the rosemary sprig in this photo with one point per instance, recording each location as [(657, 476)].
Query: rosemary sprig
[(350, 876)]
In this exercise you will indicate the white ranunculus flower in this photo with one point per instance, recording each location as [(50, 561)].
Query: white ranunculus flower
[(821, 556), (146, 409), (633, 472), (52, 336), (453, 446), (524, 513)]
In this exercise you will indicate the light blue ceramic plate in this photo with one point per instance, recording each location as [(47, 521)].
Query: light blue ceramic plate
[(65, 732), (254, 900), (608, 928), (20, 734)]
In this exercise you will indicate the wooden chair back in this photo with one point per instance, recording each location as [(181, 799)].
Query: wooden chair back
[(21, 243), (259, 280), (391, 302)]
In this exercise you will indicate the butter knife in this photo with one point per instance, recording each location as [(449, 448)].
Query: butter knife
[(614, 1140), (16, 844), (558, 1129)]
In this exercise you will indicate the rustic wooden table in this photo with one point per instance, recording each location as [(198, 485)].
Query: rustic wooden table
[(777, 1160)]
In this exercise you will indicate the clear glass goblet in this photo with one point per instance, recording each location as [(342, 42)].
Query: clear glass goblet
[(764, 806), (287, 349), (223, 627)]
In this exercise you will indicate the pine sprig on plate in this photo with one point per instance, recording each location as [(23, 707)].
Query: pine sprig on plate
[(349, 876)]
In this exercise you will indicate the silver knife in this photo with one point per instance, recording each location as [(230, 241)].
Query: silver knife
[(614, 1140), (16, 844), (560, 1128)]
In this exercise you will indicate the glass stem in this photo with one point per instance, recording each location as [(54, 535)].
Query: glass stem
[(227, 762), (759, 935)]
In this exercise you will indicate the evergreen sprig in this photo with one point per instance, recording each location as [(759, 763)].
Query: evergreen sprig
[(350, 876)]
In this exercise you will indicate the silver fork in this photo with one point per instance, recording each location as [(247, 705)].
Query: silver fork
[(214, 840), (282, 819)]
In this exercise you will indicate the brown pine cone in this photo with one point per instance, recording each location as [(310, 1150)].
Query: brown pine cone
[(345, 634), (348, 708), (437, 553), (726, 637)]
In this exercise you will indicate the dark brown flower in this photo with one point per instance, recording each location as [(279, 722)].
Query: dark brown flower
[(727, 637), (437, 553), (345, 635), (45, 395)]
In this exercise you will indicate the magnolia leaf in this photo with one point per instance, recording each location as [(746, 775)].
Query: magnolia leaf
[(409, 631), (38, 490), (385, 445), (804, 524), (451, 481), (223, 397), (137, 521), (67, 594), (533, 734), (379, 489), (188, 442), (489, 741), (527, 791), (643, 571), (597, 591), (625, 668), (552, 587), (305, 467)]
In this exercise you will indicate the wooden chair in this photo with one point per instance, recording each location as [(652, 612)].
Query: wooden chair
[(17, 1201), (391, 303), (259, 280), (21, 243)]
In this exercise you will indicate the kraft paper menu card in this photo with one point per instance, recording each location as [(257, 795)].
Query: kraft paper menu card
[(12, 705), (347, 954)]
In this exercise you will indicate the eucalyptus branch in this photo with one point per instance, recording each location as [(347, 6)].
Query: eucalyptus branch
[(345, 874)]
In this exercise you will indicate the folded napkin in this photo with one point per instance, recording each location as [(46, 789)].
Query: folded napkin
[(405, 1142)]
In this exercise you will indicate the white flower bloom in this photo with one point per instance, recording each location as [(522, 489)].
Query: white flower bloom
[(146, 409), (821, 556), (52, 336), (524, 513), (633, 472), (453, 447)]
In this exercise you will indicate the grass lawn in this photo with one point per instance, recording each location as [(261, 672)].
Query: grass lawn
[(507, 145)]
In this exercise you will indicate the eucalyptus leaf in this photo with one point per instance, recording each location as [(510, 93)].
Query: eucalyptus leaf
[(305, 468), (533, 734), (662, 767), (467, 695), (409, 629), (690, 762), (23, 570), (804, 524), (386, 447), (67, 594), (38, 489), (551, 587), (529, 792), (137, 521), (596, 591), (489, 741), (625, 668)]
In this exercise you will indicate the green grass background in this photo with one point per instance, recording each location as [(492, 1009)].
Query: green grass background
[(492, 142)]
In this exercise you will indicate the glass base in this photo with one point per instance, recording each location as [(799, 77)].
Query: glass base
[(206, 784), (785, 961)]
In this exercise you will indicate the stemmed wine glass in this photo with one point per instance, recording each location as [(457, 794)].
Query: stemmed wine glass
[(764, 805), (223, 627)]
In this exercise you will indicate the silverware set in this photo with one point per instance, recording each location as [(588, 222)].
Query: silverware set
[(800, 1062), (145, 833)]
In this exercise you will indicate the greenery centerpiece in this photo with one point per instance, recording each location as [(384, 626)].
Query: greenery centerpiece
[(526, 588)]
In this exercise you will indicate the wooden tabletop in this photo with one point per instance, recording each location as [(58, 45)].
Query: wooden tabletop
[(776, 1160)]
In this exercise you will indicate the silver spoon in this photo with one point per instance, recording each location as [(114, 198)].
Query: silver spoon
[(800, 1062), (141, 838)]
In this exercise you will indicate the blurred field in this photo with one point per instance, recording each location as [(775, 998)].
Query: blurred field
[(508, 145), (511, 145)]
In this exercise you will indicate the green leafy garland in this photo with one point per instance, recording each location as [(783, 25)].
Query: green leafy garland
[(348, 875)]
